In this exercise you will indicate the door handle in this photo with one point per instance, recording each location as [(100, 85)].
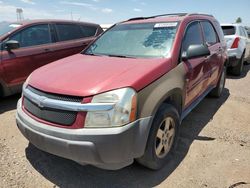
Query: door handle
[(48, 50)]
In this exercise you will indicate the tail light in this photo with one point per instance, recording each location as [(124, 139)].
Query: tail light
[(236, 42)]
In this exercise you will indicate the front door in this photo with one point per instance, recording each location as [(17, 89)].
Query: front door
[(197, 68), (33, 52)]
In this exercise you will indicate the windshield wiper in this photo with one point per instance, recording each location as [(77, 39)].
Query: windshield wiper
[(121, 56), (92, 54)]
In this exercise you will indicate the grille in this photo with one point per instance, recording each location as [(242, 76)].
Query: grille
[(61, 117)]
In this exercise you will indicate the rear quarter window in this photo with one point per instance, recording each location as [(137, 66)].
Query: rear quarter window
[(228, 30), (88, 31)]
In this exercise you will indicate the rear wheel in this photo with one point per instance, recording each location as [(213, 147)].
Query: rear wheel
[(216, 92), (1, 90), (163, 138), (237, 70)]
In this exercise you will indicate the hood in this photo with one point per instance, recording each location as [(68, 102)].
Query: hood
[(84, 75)]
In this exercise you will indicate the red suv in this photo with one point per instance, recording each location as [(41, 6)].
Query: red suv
[(125, 96), (25, 46)]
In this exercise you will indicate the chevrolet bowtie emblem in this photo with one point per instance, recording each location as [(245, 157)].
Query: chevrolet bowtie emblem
[(40, 101)]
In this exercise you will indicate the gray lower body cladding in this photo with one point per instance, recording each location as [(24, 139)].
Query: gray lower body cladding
[(108, 148)]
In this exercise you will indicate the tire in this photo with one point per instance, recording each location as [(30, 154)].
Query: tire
[(1, 91), (162, 140), (216, 92), (237, 70)]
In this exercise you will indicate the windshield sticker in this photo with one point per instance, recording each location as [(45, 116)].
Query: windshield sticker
[(14, 25), (169, 24)]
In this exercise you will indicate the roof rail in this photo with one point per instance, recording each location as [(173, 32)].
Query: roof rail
[(161, 15), (192, 14)]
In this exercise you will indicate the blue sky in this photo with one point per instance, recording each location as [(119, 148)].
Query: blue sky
[(111, 11)]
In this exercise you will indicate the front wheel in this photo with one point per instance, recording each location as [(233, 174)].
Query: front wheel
[(162, 139)]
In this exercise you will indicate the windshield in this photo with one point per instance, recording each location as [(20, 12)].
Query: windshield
[(7, 27), (147, 40), (228, 30)]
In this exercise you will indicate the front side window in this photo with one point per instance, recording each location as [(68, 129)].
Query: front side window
[(192, 36), (242, 32), (209, 33), (146, 40), (33, 36), (68, 32)]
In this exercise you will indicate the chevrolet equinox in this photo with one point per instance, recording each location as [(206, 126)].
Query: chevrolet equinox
[(124, 97)]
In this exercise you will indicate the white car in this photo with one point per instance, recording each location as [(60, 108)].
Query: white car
[(238, 45)]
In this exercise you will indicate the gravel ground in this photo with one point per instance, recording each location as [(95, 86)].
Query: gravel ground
[(214, 151)]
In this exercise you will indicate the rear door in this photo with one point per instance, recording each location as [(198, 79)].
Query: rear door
[(197, 68), (213, 43), (19, 63), (71, 38)]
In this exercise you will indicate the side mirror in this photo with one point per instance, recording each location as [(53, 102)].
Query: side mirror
[(11, 45), (194, 51)]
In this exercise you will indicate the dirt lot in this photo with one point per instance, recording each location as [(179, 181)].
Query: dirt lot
[(214, 151)]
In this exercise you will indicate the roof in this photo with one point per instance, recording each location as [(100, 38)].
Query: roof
[(25, 22), (165, 18), (231, 24)]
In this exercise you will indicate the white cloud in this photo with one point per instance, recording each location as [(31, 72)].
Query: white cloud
[(28, 2), (76, 3), (107, 10), (1, 2), (8, 13), (137, 10)]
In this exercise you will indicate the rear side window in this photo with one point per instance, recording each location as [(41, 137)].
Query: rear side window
[(88, 31), (192, 36), (68, 32), (33, 36), (209, 33), (229, 30), (242, 32)]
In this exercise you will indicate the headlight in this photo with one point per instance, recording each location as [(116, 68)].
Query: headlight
[(123, 112)]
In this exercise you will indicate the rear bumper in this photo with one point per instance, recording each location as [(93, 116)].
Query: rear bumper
[(108, 148), (234, 56)]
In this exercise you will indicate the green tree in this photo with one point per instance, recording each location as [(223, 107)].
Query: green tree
[(238, 20)]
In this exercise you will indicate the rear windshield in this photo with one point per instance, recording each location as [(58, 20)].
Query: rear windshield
[(7, 27), (146, 40), (228, 30)]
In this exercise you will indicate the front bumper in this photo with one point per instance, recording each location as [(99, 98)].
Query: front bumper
[(108, 148)]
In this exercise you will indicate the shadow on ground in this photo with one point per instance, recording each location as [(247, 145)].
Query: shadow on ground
[(65, 173), (246, 69), (8, 103)]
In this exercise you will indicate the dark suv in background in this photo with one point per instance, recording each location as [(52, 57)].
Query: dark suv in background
[(27, 45)]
